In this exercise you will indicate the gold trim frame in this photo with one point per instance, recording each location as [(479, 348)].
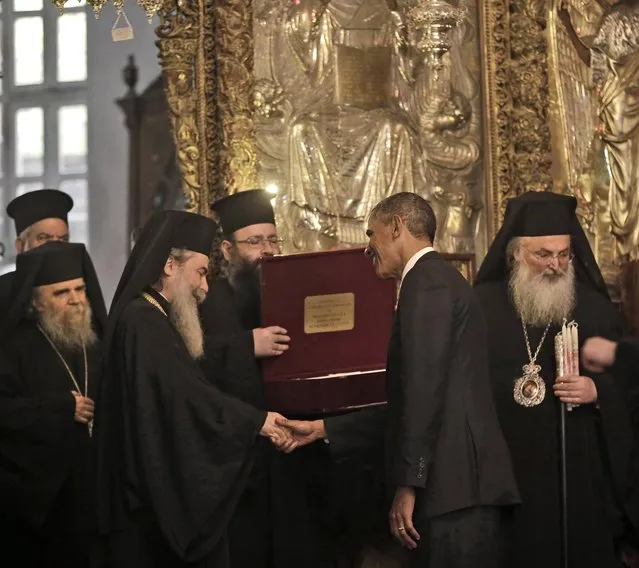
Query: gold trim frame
[(206, 52)]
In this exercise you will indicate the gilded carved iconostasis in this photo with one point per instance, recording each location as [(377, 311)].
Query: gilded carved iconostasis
[(334, 104)]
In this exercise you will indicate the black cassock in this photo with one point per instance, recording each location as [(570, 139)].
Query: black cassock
[(46, 476), (273, 509), (174, 452), (6, 284), (599, 441)]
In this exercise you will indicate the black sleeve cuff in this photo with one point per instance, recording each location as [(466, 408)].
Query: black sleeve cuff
[(410, 473), (626, 358)]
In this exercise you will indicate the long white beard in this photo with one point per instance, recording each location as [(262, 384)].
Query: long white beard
[(185, 317), (542, 299), (70, 329)]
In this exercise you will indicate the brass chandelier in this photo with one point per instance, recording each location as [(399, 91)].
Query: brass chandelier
[(151, 7)]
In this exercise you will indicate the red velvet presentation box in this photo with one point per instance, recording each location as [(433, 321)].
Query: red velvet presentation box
[(339, 317)]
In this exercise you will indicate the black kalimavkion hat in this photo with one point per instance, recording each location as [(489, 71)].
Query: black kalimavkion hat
[(34, 206), (242, 209)]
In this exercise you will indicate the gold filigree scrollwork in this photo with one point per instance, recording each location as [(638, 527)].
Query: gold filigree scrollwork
[(233, 34), (209, 122), (207, 55), (518, 154), (528, 81), (180, 57), (498, 107)]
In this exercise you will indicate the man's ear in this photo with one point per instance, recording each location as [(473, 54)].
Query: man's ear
[(397, 224), (36, 303), (20, 244), (170, 266), (226, 247)]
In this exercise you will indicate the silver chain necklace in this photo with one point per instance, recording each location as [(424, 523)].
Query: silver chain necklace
[(70, 373), (530, 389)]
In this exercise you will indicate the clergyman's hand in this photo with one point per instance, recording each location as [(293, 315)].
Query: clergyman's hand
[(280, 436), (304, 432), (401, 517), (84, 408), (598, 353), (270, 341), (575, 390)]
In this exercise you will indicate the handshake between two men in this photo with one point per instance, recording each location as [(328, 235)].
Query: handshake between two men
[(286, 435)]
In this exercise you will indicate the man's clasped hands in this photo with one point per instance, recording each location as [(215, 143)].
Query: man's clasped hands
[(286, 435)]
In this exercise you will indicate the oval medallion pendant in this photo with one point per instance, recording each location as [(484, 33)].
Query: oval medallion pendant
[(530, 389)]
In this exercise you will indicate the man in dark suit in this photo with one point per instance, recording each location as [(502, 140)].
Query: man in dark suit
[(448, 464)]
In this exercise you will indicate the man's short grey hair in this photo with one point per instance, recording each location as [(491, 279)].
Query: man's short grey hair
[(24, 235), (511, 250), (180, 255), (414, 210)]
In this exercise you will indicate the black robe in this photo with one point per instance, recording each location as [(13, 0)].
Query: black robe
[(303, 509), (46, 475), (174, 452), (626, 371), (599, 441), (273, 507), (6, 285)]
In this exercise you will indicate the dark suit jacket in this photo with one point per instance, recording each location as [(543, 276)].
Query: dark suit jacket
[(440, 425)]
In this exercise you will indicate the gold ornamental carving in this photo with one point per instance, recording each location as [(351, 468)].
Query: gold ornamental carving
[(498, 109), (595, 70), (232, 42), (180, 57), (358, 99), (518, 144), (239, 113)]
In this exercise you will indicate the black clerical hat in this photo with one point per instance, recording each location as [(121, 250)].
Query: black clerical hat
[(164, 231), (191, 232), (51, 263), (243, 209), (541, 213), (34, 206)]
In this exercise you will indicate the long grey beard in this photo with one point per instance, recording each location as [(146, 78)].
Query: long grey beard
[(185, 317), (540, 299), (69, 330)]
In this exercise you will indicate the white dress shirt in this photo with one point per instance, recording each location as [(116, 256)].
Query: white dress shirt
[(412, 261)]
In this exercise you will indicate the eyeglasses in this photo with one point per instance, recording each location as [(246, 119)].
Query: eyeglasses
[(546, 257), (259, 242)]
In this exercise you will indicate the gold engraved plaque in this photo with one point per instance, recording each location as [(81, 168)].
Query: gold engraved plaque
[(363, 76), (331, 312)]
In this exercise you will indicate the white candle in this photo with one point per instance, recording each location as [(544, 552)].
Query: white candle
[(575, 349)]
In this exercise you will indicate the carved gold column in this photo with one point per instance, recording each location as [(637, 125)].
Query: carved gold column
[(234, 48), (180, 47), (515, 81), (495, 47), (528, 79)]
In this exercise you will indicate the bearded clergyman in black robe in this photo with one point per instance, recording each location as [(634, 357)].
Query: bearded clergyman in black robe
[(301, 509), (50, 367), (271, 509), (174, 453), (538, 273)]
